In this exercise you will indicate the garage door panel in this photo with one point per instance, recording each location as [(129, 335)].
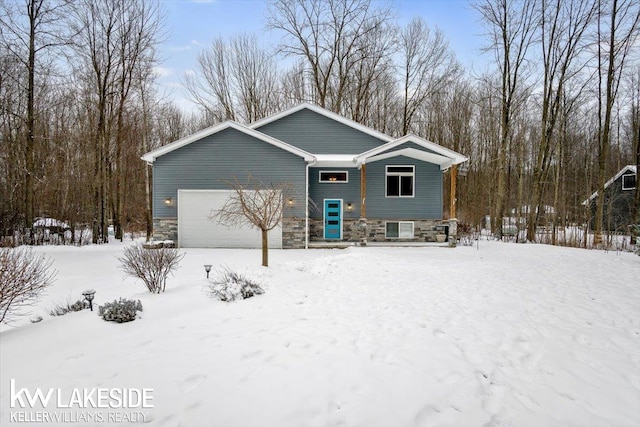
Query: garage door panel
[(196, 230)]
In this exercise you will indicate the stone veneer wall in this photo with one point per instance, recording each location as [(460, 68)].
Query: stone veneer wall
[(373, 230), (293, 233), (353, 230), (165, 229)]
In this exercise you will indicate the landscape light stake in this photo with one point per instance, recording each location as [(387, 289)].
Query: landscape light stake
[(88, 295), (207, 268)]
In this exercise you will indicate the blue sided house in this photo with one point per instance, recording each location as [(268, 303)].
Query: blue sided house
[(350, 183)]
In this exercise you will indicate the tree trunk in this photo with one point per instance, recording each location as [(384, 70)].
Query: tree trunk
[(265, 248), (29, 148)]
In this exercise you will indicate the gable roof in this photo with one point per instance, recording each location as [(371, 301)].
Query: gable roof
[(324, 112), (443, 156), (151, 156), (628, 168)]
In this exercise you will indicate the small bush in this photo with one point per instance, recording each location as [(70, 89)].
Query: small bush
[(152, 266), (24, 275), (229, 285), (120, 311), (68, 307)]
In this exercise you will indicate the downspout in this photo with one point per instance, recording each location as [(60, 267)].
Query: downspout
[(306, 204)]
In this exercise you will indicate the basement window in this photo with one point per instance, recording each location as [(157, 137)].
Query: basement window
[(399, 230), (629, 181), (333, 177)]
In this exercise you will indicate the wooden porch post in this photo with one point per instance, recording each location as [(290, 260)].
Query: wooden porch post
[(363, 190), (454, 174)]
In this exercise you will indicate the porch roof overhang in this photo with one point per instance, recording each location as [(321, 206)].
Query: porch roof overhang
[(437, 154), (425, 156)]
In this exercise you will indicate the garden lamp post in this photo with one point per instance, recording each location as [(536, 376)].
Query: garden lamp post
[(207, 268), (88, 295)]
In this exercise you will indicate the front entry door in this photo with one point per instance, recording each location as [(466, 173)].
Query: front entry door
[(332, 219)]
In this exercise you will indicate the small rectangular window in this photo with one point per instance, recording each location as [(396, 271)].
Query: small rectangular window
[(399, 230), (629, 182), (405, 230), (334, 176), (400, 169), (392, 230)]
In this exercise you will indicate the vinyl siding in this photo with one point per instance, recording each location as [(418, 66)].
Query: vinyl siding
[(318, 134), (209, 163), (427, 200), (349, 192)]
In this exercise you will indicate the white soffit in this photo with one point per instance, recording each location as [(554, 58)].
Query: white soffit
[(456, 158), (335, 160), (442, 161)]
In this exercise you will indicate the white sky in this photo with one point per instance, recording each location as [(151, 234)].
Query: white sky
[(192, 25)]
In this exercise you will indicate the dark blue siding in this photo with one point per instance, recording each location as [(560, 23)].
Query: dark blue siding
[(427, 203), (208, 164), (318, 134), (349, 192)]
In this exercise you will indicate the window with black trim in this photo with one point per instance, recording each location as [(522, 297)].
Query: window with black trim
[(400, 181), (399, 230), (629, 181), (334, 176)]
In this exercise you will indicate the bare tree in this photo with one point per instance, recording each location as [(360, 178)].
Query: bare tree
[(511, 28), (256, 204), (328, 36), (116, 46), (24, 275), (562, 34), (236, 79), (624, 26), (428, 67), (29, 31)]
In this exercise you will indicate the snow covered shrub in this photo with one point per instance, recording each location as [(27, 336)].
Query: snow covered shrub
[(152, 266), (229, 285), (122, 310), (68, 307), (24, 274)]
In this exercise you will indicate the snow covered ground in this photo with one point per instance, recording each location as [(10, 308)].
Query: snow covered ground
[(500, 335)]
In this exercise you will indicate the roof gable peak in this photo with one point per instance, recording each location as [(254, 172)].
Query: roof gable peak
[(151, 156), (323, 112)]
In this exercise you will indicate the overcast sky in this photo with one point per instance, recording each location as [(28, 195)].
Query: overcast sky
[(191, 25)]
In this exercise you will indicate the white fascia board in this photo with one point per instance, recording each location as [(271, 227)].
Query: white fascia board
[(456, 158), (324, 112), (151, 156), (335, 160), (443, 162)]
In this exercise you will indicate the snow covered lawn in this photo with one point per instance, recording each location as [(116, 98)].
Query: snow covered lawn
[(507, 335)]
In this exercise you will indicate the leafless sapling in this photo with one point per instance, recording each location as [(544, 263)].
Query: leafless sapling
[(256, 204)]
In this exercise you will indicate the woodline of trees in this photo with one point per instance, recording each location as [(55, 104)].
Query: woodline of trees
[(551, 118)]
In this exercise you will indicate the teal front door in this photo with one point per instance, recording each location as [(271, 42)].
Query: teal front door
[(332, 219)]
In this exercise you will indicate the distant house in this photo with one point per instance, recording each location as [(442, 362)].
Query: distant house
[(619, 194), (350, 182)]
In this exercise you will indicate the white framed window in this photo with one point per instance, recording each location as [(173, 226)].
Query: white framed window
[(399, 230), (629, 181), (334, 177), (400, 181)]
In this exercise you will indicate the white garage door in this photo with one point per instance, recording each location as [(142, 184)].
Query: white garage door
[(195, 230)]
